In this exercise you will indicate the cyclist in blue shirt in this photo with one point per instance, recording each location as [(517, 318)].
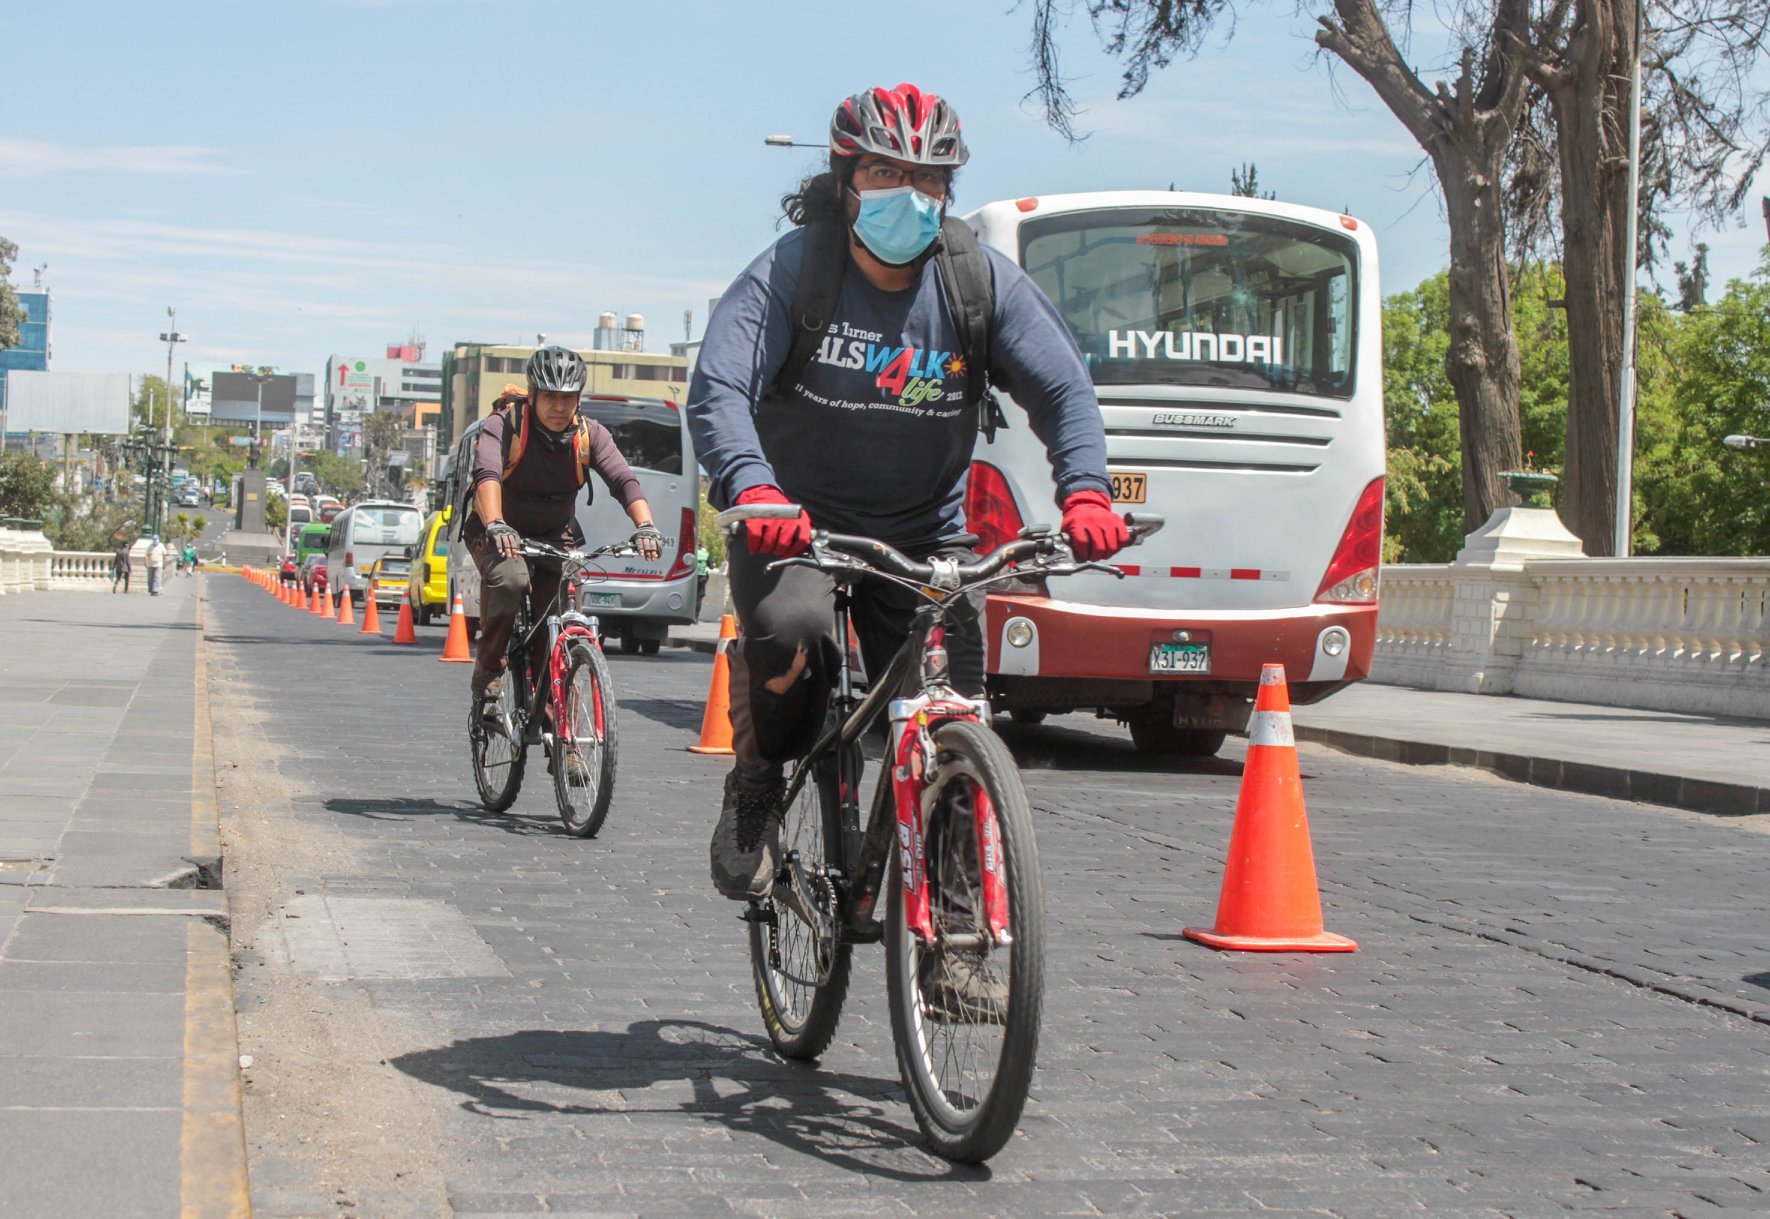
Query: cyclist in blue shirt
[(872, 436)]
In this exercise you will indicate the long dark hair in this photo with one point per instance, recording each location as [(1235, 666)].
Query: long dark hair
[(819, 197)]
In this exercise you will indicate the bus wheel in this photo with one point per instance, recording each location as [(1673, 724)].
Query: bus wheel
[(1028, 715), (1153, 731), (629, 643)]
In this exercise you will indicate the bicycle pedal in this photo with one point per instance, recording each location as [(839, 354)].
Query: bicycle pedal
[(754, 913)]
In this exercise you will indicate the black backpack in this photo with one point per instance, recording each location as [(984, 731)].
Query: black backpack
[(970, 296)]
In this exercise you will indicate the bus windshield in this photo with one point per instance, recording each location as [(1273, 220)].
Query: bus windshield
[(649, 435), (1192, 296)]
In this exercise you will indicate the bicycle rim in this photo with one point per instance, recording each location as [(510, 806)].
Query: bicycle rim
[(966, 1023), (497, 760), (586, 789), (802, 977)]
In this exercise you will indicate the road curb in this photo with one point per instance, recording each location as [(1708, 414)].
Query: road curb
[(212, 1161), (1612, 782)]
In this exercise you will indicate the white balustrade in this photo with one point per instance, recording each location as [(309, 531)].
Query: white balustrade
[(1668, 634), (87, 569)]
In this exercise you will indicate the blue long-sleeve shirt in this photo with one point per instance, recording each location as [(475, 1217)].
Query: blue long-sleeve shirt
[(875, 438)]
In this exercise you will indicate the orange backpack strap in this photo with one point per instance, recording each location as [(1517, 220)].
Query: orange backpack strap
[(513, 401), (581, 450)]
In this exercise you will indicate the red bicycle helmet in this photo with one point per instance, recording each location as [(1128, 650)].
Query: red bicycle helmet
[(903, 123)]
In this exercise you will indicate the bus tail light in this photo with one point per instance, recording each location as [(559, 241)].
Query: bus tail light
[(1352, 575), (685, 549), (350, 558), (989, 508)]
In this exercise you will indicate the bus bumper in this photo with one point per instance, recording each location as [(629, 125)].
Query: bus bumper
[(1323, 646)]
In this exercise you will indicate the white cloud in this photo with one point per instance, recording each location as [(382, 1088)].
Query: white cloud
[(28, 158)]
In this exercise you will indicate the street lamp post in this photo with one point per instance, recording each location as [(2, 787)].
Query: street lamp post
[(171, 338), (787, 141), (1740, 441)]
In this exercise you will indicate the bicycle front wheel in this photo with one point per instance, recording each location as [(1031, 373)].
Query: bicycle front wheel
[(497, 747), (801, 969), (585, 742), (965, 1012)]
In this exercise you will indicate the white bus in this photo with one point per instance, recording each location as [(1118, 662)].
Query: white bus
[(1236, 348)]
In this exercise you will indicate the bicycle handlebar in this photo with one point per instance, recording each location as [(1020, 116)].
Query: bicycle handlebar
[(944, 574), (531, 549)]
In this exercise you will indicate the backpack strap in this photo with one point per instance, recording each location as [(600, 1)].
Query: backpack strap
[(814, 299), (971, 297), (516, 438), (581, 449)]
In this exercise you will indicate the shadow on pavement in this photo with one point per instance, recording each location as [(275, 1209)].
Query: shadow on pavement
[(396, 808), (116, 626), (836, 1117), (1762, 979), (1052, 747), (670, 712)]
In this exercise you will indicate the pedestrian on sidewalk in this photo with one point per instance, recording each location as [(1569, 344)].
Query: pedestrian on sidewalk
[(187, 561), (120, 567), (156, 565)]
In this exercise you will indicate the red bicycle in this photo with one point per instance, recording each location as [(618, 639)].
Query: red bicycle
[(951, 828), (572, 716)]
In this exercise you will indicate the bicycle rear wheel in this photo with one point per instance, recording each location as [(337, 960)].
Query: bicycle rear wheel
[(584, 786), (965, 1019), (801, 973), (499, 756)]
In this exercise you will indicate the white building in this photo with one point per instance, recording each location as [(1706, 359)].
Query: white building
[(399, 381)]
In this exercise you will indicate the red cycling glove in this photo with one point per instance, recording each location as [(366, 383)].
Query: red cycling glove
[(1095, 530), (781, 539)]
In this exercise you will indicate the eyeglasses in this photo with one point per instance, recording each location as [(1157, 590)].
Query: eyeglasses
[(882, 176)]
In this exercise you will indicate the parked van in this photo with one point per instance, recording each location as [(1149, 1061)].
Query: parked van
[(1235, 345), (363, 533), (638, 600)]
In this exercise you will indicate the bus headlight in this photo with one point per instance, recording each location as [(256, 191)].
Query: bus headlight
[(1019, 633), (1334, 642)]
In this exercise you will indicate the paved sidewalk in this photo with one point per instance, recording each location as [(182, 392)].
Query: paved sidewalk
[(1699, 762), (118, 1062)]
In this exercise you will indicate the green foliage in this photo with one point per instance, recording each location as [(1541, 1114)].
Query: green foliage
[(12, 313), (82, 525), (27, 485), (338, 475), (211, 457), (1702, 374), (152, 400), (1424, 487), (276, 513)]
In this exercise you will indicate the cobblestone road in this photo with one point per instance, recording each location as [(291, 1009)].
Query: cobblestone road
[(1560, 1003)]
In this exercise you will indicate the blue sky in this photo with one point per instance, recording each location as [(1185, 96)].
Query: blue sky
[(303, 177)]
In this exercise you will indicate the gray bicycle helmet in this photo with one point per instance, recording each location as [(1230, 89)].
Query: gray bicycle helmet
[(557, 368), (903, 123)]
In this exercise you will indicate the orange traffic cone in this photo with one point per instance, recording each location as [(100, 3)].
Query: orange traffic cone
[(716, 723), (402, 630), (371, 615), (316, 601), (1270, 900), (346, 608), (455, 646)]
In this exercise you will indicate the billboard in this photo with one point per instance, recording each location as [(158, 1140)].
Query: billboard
[(350, 389), (239, 392), (67, 402)]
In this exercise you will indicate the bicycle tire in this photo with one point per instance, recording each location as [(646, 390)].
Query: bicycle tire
[(969, 1120), (498, 762), (801, 1018), (584, 807)]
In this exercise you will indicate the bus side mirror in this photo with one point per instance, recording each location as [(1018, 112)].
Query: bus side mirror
[(447, 512)]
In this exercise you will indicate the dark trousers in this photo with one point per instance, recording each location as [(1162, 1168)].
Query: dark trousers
[(784, 666), (503, 583)]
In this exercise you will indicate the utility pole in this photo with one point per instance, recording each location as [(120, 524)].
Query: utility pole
[(1625, 407), (171, 338)]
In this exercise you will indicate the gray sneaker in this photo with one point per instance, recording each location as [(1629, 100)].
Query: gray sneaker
[(746, 842), (488, 692), (959, 989)]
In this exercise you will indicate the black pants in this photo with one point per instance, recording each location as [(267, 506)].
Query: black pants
[(784, 666)]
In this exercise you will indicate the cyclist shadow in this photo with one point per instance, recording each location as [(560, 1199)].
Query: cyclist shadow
[(398, 808), (834, 1117)]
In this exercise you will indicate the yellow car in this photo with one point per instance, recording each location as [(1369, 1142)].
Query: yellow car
[(389, 575), (428, 589)]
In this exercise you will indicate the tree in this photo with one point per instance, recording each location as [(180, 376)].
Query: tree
[(382, 434), (338, 475), (12, 313), (1465, 125), (152, 400), (27, 485), (1246, 183), (1693, 280), (1703, 137)]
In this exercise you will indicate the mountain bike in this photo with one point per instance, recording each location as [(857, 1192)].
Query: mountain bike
[(964, 925), (569, 710)]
